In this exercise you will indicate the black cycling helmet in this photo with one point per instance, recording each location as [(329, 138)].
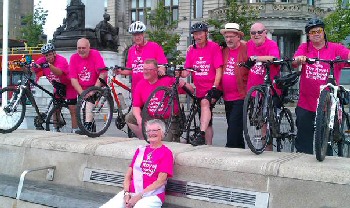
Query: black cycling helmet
[(286, 81), (315, 22), (47, 48), (199, 26)]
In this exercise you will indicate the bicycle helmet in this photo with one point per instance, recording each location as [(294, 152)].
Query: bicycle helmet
[(288, 80), (137, 27), (314, 23), (47, 48), (199, 26)]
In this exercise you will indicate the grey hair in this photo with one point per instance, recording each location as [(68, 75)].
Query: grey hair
[(159, 122)]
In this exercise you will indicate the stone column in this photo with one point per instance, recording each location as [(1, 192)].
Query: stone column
[(303, 37), (94, 11)]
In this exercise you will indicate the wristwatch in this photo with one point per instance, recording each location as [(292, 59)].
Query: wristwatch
[(126, 193), (255, 58)]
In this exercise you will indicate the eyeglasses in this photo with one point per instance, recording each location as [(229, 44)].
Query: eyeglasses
[(230, 36), (152, 131), (314, 32), (255, 32)]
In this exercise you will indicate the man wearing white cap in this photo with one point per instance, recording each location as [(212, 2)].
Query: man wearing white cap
[(234, 83)]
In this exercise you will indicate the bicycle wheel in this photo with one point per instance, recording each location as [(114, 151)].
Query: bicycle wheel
[(286, 141), (322, 131), (12, 112), (254, 124), (95, 111), (192, 123), (159, 105), (59, 119), (346, 135)]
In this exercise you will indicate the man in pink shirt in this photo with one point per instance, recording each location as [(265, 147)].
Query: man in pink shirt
[(206, 58), (141, 51), (147, 175), (84, 70), (55, 68), (141, 94), (261, 49), (234, 83), (312, 77)]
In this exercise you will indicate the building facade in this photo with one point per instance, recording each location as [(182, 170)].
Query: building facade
[(18, 9)]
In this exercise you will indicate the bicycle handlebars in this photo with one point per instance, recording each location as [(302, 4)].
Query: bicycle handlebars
[(336, 60)]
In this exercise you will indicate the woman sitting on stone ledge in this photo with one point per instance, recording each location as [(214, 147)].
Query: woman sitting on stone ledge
[(146, 177)]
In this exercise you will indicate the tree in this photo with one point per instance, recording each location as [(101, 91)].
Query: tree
[(238, 13), (338, 23), (162, 32), (33, 29)]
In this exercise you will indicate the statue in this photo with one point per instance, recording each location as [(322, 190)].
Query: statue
[(73, 21), (60, 29), (107, 35)]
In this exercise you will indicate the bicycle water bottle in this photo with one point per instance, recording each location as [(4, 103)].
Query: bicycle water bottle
[(122, 101)]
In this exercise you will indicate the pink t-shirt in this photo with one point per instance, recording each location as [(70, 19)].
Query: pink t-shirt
[(138, 54), (207, 59), (86, 70), (315, 75), (143, 91), (229, 79), (257, 72), (160, 160), (61, 63)]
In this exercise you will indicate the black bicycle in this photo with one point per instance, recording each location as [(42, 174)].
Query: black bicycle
[(264, 115), (97, 103), (169, 109), (12, 112), (332, 125)]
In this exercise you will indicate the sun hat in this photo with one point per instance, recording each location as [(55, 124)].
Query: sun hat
[(232, 27)]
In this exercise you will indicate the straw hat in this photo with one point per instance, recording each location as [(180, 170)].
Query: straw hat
[(232, 27)]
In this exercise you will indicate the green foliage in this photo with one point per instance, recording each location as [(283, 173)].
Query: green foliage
[(33, 28), (162, 32), (338, 23), (235, 13)]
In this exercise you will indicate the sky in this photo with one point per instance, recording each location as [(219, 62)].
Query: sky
[(57, 11)]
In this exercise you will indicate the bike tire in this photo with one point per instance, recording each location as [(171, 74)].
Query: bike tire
[(253, 121), (11, 119), (322, 131), (192, 124), (286, 129), (59, 119), (160, 110), (101, 103), (345, 128)]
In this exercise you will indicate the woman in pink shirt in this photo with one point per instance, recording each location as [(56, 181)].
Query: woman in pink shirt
[(147, 175), (312, 77)]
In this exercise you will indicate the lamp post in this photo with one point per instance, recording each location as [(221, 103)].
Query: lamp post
[(5, 17)]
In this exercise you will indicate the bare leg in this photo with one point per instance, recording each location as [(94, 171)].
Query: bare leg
[(73, 114), (137, 131)]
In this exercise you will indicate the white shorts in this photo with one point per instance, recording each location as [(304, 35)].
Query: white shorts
[(145, 202)]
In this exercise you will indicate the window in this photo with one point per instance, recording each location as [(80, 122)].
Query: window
[(311, 2), (345, 4), (198, 8), (138, 10), (173, 6)]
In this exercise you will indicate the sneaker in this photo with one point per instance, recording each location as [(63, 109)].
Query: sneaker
[(199, 139), (89, 126)]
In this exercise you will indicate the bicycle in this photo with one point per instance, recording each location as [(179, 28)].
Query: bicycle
[(264, 115), (332, 126), (13, 111), (168, 108), (98, 103)]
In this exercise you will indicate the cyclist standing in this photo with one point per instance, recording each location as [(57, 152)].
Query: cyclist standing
[(55, 68), (312, 77), (260, 49), (141, 51), (84, 70), (206, 57), (234, 83)]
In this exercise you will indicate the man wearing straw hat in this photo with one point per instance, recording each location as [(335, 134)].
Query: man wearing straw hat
[(234, 83)]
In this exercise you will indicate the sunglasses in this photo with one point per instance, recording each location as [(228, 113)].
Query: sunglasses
[(255, 32), (314, 32), (152, 131)]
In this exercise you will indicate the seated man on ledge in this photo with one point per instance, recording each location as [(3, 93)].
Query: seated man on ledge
[(145, 180)]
